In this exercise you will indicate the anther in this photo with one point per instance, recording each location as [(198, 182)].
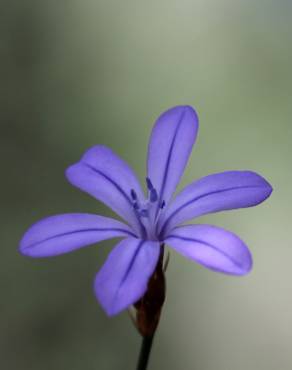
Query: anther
[(153, 195), (162, 205), (149, 184), (133, 194), (152, 191)]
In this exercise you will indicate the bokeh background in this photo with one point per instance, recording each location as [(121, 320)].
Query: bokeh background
[(76, 73)]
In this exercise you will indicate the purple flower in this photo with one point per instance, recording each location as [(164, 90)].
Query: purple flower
[(152, 220)]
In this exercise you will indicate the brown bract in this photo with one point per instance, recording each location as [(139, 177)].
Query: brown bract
[(150, 305)]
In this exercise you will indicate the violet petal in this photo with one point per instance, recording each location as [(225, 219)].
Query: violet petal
[(170, 145), (123, 278), (213, 193), (108, 178), (64, 233), (212, 247)]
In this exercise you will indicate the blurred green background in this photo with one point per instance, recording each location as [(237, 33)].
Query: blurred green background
[(77, 73)]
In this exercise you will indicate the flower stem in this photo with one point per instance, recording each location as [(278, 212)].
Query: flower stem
[(145, 352)]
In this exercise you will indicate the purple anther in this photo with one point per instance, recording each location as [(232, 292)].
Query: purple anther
[(149, 184), (133, 194), (153, 195)]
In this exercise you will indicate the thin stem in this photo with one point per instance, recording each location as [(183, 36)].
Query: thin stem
[(145, 352)]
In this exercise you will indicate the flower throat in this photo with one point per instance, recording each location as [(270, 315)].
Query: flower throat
[(148, 211)]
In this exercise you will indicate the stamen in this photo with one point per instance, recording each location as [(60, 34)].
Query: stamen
[(153, 195), (149, 184), (133, 194), (152, 191), (162, 205)]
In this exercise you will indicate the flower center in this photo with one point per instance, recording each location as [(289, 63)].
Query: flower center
[(147, 210)]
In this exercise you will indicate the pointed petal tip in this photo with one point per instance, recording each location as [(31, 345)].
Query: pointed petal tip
[(24, 246), (269, 188), (114, 307), (68, 173), (255, 174), (30, 252), (262, 182), (95, 152), (240, 269), (110, 310), (264, 187), (183, 107), (190, 109), (243, 266), (246, 266), (71, 173), (22, 249), (180, 109)]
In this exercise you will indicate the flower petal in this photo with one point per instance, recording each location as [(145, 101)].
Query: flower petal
[(212, 247), (108, 178), (64, 233), (170, 145), (124, 277), (213, 193)]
